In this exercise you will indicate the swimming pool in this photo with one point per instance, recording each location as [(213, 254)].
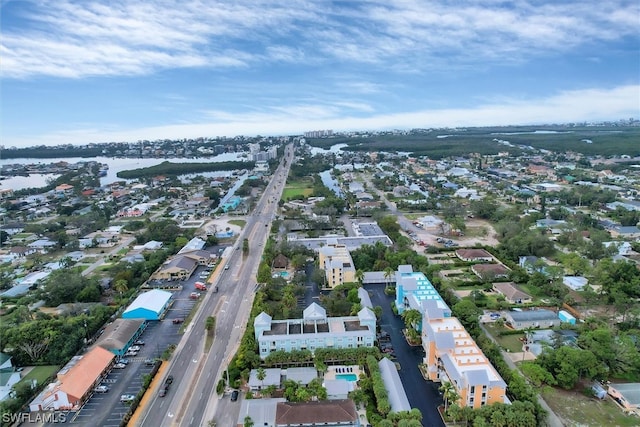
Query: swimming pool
[(284, 274), (348, 377)]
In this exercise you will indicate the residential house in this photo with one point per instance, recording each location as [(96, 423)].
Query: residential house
[(576, 283), (272, 377), (474, 255), (490, 271), (532, 319), (22, 251), (12, 228), (8, 376), (625, 232), (261, 411), (42, 245), (327, 413), (512, 294)]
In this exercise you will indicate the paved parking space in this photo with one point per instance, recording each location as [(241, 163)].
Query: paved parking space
[(105, 409)]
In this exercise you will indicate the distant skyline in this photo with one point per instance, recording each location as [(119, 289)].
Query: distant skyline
[(88, 71)]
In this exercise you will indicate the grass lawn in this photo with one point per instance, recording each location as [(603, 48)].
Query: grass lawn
[(576, 409), (509, 342), (478, 231), (290, 193), (297, 188), (40, 373), (238, 222)]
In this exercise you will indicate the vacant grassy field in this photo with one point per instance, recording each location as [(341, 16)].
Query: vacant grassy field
[(509, 342), (40, 373), (576, 409), (296, 189), (238, 222)]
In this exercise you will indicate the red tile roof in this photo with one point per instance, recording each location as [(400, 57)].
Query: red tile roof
[(79, 379)]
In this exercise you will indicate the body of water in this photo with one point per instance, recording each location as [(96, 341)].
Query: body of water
[(335, 149), (330, 182), (115, 165)]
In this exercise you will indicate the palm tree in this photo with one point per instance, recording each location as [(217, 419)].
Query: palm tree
[(360, 276), (449, 393), (121, 286), (261, 374), (388, 274), (412, 318), (248, 422)]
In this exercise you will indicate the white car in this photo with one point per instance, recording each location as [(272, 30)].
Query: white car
[(127, 398), (101, 389), (119, 366), (134, 348)]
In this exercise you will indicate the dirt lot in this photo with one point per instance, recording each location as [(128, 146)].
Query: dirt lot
[(577, 409)]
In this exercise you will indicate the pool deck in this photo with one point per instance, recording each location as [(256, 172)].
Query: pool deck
[(341, 370)]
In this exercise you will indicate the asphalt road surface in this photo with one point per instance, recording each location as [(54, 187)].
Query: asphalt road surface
[(192, 400), (422, 394)]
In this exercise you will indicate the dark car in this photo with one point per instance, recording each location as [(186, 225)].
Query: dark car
[(234, 395), (177, 321), (169, 380)]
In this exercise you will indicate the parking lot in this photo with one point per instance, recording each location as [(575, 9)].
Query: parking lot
[(105, 409)]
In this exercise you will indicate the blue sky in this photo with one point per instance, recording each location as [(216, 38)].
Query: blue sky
[(89, 71)]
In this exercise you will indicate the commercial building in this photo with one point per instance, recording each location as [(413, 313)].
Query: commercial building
[(149, 305), (75, 382), (119, 335), (314, 330)]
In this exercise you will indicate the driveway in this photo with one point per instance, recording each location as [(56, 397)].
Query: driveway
[(422, 394)]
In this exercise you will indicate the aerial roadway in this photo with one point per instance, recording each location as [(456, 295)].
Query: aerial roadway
[(194, 401)]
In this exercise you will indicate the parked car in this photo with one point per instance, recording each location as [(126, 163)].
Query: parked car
[(101, 389), (149, 361), (127, 398), (177, 320), (139, 342), (194, 295), (234, 395), (131, 353), (226, 267), (134, 348), (119, 366), (201, 286), (123, 360)]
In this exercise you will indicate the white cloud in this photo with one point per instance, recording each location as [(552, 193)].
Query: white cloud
[(570, 106), (75, 39)]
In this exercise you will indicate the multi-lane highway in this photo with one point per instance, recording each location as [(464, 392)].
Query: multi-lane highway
[(193, 401)]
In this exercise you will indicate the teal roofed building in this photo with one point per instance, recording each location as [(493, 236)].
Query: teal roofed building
[(412, 288), (232, 204)]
